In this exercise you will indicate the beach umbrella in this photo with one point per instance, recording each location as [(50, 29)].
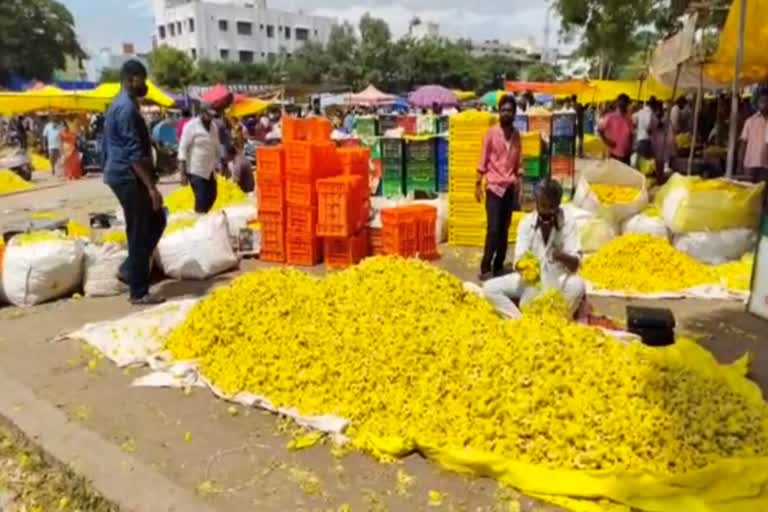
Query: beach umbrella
[(428, 95)]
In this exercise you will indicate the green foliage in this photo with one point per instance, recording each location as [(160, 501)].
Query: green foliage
[(171, 67), (109, 75), (540, 72), (36, 36)]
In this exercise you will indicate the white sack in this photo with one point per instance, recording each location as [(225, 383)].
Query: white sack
[(41, 271), (717, 247), (238, 217), (199, 251), (645, 225), (594, 230), (102, 264), (611, 172)]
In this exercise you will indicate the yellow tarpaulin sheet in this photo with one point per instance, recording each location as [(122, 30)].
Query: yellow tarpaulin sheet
[(249, 107), (755, 67), (464, 95), (603, 91), (53, 98)]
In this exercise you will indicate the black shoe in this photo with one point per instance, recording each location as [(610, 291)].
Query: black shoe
[(486, 276), (148, 300)]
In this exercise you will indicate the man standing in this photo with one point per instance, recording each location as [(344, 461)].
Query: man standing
[(753, 157), (616, 131), (128, 172), (186, 116), (52, 140), (199, 154), (500, 167), (643, 125), (579, 109)]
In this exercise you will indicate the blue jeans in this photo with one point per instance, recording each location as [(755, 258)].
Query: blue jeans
[(205, 191), (143, 228)]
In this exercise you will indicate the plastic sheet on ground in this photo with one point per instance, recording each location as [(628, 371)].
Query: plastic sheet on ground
[(730, 485), (137, 340), (705, 292)]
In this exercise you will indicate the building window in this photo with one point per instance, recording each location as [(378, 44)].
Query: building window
[(315, 32), (161, 32), (270, 31), (246, 57), (178, 27), (271, 57), (244, 28), (261, 27), (287, 32), (191, 25), (223, 25), (193, 51), (302, 34), (262, 55), (224, 54), (172, 29)]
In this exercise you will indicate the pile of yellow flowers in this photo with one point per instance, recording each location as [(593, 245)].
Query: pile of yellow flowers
[(77, 230), (11, 182), (114, 236), (737, 275), (403, 352), (39, 162), (36, 237), (645, 264), (179, 224), (183, 200), (614, 194), (528, 266)]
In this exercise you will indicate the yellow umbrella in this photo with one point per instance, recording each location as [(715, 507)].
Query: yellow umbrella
[(464, 95), (249, 107), (106, 92)]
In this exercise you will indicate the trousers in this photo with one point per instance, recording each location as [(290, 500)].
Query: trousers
[(143, 229), (502, 290), (498, 211), (205, 191)]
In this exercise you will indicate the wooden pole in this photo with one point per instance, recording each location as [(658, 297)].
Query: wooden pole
[(696, 114), (733, 128)]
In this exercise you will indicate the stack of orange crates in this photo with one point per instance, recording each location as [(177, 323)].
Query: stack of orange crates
[(271, 202), (354, 161), (343, 211), (409, 231)]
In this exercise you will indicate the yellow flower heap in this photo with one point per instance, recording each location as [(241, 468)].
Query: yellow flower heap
[(737, 275), (11, 182), (614, 194), (399, 349), (645, 264), (228, 193)]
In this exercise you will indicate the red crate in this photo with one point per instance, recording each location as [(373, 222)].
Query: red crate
[(303, 250), (346, 251), (562, 167), (319, 129), (343, 205), (270, 160), (272, 236), (312, 159), (377, 244), (409, 231), (408, 124), (293, 129), (300, 191), (351, 142), (300, 220), (427, 242), (541, 124), (354, 161), (271, 193)]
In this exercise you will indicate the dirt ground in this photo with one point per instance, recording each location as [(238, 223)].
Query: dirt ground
[(241, 462)]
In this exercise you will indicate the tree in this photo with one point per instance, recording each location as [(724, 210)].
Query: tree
[(36, 37), (109, 75), (342, 49), (210, 72), (375, 51), (541, 72), (308, 64), (171, 67)]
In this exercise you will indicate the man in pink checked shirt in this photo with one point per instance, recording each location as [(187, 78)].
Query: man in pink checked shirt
[(616, 131), (500, 167)]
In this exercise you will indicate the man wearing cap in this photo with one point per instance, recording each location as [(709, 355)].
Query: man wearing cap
[(199, 153)]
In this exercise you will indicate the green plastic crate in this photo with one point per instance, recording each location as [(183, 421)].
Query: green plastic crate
[(390, 187), (428, 185), (532, 167), (391, 149), (420, 150), (563, 146)]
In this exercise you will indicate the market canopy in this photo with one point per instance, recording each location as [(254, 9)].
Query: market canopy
[(249, 107), (429, 95), (492, 98), (604, 91), (464, 95), (755, 66), (371, 96), (555, 88)]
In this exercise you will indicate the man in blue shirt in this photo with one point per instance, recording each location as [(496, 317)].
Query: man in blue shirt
[(128, 171)]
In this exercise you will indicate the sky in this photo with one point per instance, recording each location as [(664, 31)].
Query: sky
[(109, 23)]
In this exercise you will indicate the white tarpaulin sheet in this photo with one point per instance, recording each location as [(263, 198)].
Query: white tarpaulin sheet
[(706, 292), (137, 339)]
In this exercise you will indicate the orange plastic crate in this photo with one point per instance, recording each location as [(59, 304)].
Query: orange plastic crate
[(300, 191), (303, 250), (408, 124), (271, 193), (541, 124), (319, 129), (272, 237), (293, 129), (312, 159), (346, 251), (301, 220), (354, 161), (426, 221), (343, 205), (270, 160), (562, 166), (409, 231), (377, 244)]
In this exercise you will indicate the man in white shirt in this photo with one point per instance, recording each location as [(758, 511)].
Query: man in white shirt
[(199, 154), (553, 239), (643, 123), (52, 141)]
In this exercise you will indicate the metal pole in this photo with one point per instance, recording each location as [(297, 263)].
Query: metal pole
[(696, 114), (733, 128)]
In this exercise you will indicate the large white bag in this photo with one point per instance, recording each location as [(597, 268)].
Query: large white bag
[(717, 247), (102, 264), (41, 271), (595, 230), (644, 224), (238, 217), (199, 251), (611, 172)]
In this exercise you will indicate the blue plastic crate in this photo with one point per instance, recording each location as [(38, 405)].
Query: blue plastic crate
[(521, 122), (441, 150), (563, 125), (442, 177)]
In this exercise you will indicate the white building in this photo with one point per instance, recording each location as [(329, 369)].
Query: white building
[(235, 30)]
